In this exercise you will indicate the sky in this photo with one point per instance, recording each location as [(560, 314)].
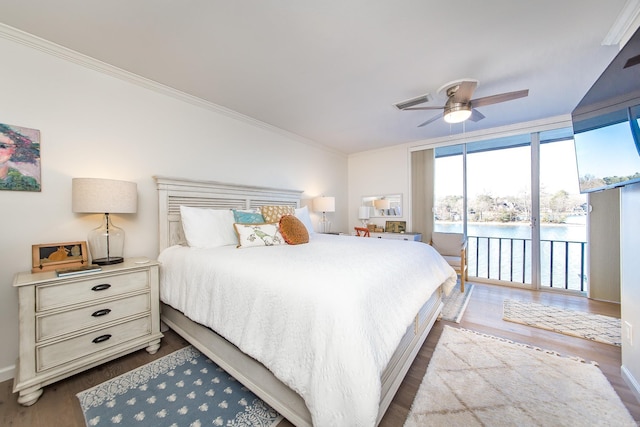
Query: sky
[(508, 172), (618, 156)]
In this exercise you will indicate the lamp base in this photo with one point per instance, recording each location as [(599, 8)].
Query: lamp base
[(106, 243), (108, 261)]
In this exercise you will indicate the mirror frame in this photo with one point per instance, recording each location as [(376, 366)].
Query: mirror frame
[(395, 208)]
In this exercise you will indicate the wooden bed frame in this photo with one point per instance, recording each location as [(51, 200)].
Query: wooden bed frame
[(174, 192)]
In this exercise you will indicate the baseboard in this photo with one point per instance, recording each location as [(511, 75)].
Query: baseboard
[(631, 382), (7, 373)]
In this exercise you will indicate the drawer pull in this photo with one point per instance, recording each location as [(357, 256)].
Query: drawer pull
[(101, 338), (102, 312), (102, 287)]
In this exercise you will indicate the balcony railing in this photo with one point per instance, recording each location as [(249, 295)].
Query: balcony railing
[(509, 259)]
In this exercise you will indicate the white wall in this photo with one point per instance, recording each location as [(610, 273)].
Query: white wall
[(630, 284), (96, 125), (379, 172)]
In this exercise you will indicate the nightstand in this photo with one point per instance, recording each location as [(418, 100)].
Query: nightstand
[(70, 324)]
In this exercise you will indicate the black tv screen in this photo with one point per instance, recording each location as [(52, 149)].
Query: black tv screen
[(605, 124), (608, 150)]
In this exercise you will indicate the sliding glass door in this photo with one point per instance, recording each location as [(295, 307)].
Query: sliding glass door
[(525, 220), (563, 215)]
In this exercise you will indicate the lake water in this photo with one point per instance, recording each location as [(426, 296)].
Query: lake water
[(561, 266), (574, 230)]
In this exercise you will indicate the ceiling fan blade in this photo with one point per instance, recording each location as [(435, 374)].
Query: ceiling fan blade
[(424, 108), (476, 115), (465, 91), (502, 97), (431, 120)]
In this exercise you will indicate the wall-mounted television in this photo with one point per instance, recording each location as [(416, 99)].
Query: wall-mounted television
[(606, 125)]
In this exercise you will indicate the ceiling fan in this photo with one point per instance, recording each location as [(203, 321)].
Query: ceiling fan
[(459, 106)]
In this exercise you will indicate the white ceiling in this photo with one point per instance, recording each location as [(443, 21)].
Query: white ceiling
[(330, 70)]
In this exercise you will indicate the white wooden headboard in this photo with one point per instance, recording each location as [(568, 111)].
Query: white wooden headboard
[(174, 192)]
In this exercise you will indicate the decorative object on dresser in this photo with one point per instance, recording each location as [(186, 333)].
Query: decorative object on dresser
[(324, 204), (70, 324), (52, 256), (105, 196), (364, 212), (395, 226)]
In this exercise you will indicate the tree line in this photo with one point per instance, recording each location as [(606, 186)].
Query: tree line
[(554, 208)]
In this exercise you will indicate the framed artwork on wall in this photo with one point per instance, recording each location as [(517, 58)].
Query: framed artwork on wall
[(19, 158), (50, 256)]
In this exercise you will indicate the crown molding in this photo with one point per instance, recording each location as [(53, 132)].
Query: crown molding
[(624, 25), (48, 47)]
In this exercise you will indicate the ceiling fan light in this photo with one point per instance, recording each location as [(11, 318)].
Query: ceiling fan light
[(457, 113)]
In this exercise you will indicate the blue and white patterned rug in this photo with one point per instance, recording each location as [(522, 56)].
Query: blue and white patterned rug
[(183, 388)]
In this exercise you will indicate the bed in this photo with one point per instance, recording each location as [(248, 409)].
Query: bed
[(383, 306)]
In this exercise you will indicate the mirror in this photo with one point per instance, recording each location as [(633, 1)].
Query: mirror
[(388, 205)]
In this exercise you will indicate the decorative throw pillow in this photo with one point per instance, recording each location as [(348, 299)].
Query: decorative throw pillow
[(272, 213), (293, 230), (303, 215), (207, 228), (248, 217), (258, 235)]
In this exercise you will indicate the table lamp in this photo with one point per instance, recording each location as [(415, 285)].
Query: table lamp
[(324, 204), (107, 196), (363, 215)]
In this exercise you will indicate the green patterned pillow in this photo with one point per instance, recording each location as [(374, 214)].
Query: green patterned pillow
[(258, 235), (273, 213)]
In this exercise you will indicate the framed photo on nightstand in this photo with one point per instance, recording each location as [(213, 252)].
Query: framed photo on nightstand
[(395, 226), (51, 256)]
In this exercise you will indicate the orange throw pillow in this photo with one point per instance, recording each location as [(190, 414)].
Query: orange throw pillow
[(293, 230)]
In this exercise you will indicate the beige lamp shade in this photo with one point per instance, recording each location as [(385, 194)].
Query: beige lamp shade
[(381, 204), (96, 195), (324, 204), (105, 196)]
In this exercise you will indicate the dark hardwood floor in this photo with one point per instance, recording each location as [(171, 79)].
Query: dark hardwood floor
[(59, 405)]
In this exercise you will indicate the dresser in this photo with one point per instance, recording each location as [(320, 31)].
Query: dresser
[(70, 324), (398, 236)]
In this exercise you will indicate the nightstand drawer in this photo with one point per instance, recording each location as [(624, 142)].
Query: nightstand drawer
[(88, 289), (58, 324), (61, 352)]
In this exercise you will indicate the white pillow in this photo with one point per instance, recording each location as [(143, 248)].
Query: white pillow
[(208, 228), (303, 215)]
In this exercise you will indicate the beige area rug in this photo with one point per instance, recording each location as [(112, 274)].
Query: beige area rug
[(456, 303), (594, 327), (480, 380)]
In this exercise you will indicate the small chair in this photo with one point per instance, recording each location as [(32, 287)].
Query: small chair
[(453, 248), (365, 232)]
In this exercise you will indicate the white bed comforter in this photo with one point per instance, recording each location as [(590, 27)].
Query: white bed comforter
[(324, 317)]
